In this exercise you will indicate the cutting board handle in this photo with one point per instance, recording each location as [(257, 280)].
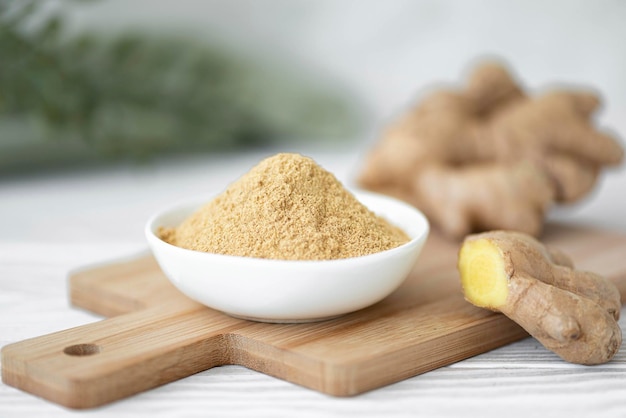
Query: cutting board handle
[(101, 362)]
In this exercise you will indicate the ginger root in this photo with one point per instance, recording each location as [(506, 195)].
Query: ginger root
[(488, 156), (572, 313)]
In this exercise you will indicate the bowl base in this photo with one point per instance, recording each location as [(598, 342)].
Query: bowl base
[(282, 320)]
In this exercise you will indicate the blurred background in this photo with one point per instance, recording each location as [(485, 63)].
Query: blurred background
[(103, 80), (167, 97)]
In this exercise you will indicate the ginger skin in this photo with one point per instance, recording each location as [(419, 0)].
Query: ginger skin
[(490, 139), (572, 313)]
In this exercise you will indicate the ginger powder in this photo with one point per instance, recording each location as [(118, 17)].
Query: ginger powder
[(286, 208)]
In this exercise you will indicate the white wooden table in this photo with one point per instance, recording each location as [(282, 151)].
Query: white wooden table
[(52, 224)]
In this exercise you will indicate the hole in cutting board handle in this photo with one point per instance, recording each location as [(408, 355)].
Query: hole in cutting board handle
[(81, 350)]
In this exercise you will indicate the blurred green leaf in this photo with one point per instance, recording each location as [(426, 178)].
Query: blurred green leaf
[(138, 94)]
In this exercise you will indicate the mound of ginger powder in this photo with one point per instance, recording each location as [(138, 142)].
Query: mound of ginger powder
[(286, 208)]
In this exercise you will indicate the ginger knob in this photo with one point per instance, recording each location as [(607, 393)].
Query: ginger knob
[(488, 155), (572, 313)]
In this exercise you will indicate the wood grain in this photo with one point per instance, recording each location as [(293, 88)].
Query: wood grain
[(157, 335)]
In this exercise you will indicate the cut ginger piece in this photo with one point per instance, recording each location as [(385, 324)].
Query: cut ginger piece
[(572, 313), (483, 276)]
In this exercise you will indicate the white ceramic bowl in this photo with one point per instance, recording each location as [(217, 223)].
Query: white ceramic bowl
[(290, 291)]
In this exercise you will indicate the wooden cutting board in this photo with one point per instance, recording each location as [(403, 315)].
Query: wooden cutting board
[(157, 335)]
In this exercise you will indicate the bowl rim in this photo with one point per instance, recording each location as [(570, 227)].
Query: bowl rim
[(197, 202)]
